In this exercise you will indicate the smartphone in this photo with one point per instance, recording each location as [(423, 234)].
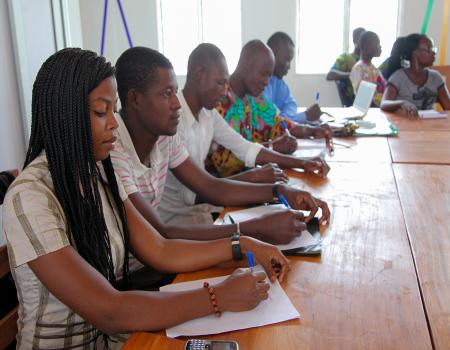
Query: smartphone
[(200, 344)]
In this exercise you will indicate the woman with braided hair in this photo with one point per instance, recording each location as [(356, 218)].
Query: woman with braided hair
[(70, 227)]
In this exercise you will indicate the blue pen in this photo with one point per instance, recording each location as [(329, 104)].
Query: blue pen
[(283, 200), (286, 130), (250, 260), (317, 96)]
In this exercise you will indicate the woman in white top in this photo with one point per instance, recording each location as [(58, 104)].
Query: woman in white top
[(70, 228), (417, 87)]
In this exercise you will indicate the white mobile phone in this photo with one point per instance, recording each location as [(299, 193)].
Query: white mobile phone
[(200, 344)]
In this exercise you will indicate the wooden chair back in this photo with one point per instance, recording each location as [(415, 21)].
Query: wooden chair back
[(8, 321), (445, 72)]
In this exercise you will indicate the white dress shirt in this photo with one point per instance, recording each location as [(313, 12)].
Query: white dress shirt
[(177, 205)]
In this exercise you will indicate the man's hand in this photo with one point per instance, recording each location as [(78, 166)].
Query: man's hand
[(285, 144), (313, 113), (302, 200)]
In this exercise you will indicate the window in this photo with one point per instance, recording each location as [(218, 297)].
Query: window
[(325, 30), (187, 23)]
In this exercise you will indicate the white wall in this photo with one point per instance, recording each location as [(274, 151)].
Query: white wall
[(142, 24), (260, 18), (12, 143)]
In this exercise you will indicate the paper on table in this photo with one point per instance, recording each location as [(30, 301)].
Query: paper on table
[(432, 114), (304, 240), (277, 308), (310, 148), (382, 126)]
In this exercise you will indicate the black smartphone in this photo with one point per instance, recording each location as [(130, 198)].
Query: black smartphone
[(311, 250), (200, 344)]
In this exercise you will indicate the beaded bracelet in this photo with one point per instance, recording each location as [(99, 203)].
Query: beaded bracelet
[(212, 296)]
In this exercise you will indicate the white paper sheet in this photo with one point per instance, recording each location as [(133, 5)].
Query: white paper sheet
[(310, 148), (432, 114), (277, 308), (304, 240)]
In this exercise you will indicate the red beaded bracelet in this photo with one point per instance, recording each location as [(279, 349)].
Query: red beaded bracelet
[(212, 296)]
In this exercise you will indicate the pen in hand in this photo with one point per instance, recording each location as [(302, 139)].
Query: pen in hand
[(283, 200), (286, 130), (250, 260)]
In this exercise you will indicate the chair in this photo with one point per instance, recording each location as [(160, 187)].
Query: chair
[(8, 323), (345, 100), (9, 307), (445, 72)]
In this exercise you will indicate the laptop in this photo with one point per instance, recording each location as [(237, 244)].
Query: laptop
[(361, 105)]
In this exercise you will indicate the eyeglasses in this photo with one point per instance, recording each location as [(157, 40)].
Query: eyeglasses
[(430, 51)]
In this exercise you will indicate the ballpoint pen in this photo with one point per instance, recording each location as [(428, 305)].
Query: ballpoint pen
[(250, 260), (286, 130)]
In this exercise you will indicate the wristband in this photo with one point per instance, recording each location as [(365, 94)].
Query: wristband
[(275, 193), (236, 246)]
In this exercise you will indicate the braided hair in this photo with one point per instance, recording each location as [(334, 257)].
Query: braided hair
[(61, 126), (403, 49)]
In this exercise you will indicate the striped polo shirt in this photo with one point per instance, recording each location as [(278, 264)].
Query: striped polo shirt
[(167, 153), (35, 225)]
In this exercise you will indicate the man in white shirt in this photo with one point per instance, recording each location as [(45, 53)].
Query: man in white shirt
[(147, 146), (201, 124)]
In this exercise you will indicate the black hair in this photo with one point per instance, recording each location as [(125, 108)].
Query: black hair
[(403, 49), (203, 55), (356, 34), (279, 38), (6, 178), (136, 69), (61, 126), (365, 38)]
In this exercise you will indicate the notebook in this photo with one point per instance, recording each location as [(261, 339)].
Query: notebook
[(361, 105), (432, 114)]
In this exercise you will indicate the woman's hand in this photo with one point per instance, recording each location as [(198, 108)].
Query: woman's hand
[(409, 109), (285, 144), (243, 290)]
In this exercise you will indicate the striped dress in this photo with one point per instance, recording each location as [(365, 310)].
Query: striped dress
[(35, 225)]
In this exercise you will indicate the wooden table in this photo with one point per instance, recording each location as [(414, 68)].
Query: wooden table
[(425, 196), (403, 123), (362, 292), (426, 147), (383, 280)]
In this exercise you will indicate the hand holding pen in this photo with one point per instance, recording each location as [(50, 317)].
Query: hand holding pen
[(284, 126), (327, 132)]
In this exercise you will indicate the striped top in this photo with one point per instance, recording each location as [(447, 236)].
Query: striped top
[(168, 152), (35, 225)]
